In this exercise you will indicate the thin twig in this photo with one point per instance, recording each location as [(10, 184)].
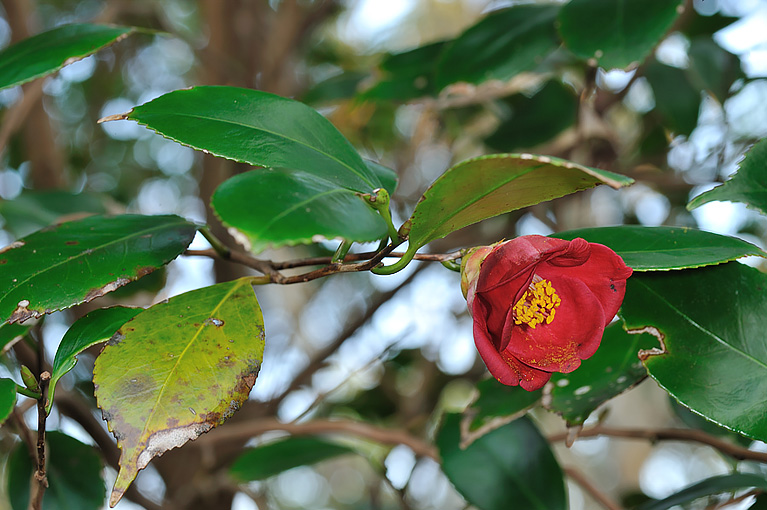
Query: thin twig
[(697, 436), (240, 431), (38, 488), (595, 493), (268, 267)]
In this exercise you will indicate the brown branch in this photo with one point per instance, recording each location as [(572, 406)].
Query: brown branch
[(242, 431), (271, 268), (697, 436), (595, 493)]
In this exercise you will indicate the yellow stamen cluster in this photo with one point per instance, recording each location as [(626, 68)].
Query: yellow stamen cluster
[(538, 304)]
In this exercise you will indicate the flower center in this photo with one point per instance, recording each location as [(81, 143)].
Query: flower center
[(537, 305)]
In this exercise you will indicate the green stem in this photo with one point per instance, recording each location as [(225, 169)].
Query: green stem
[(397, 266), (27, 392), (341, 252), (215, 242), (452, 265), (380, 202)]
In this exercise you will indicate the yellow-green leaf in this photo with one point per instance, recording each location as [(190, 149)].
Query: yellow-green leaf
[(177, 370)]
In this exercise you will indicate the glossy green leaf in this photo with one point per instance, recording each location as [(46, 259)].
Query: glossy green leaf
[(177, 370), (537, 119), (335, 88), (511, 465), (712, 357), (406, 75), (677, 101), (708, 487), (75, 262), (503, 44), (496, 405), (386, 175), (612, 370), (7, 398), (10, 334), (96, 327), (258, 128), (748, 185), (665, 248), (618, 33), (280, 206), (33, 210), (274, 458), (480, 188), (74, 472), (48, 52)]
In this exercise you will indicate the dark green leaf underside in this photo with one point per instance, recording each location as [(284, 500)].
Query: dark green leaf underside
[(510, 464), (617, 33), (73, 469), (665, 248), (78, 261), (48, 52)]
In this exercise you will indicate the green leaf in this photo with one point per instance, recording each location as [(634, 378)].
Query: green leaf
[(178, 369), (335, 88), (7, 398), (708, 487), (512, 464), (407, 75), (496, 405), (712, 356), (677, 101), (665, 248), (48, 52), (258, 128), (75, 262), (96, 327), (748, 185), (618, 33), (536, 119), (33, 210), (712, 68), (612, 370), (274, 458), (480, 188), (73, 469), (280, 206), (10, 334), (386, 175), (503, 44)]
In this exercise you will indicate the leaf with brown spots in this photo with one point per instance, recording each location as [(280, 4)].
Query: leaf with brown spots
[(74, 262), (178, 369)]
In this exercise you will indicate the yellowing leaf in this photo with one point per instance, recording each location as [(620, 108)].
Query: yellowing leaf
[(177, 370)]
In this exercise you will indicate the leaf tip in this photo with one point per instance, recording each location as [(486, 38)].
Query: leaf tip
[(119, 116)]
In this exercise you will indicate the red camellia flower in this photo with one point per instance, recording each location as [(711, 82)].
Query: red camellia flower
[(540, 305)]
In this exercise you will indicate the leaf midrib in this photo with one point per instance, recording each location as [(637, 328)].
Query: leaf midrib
[(711, 334), (254, 128), (172, 371)]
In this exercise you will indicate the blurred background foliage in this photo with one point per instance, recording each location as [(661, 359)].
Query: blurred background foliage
[(395, 350)]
